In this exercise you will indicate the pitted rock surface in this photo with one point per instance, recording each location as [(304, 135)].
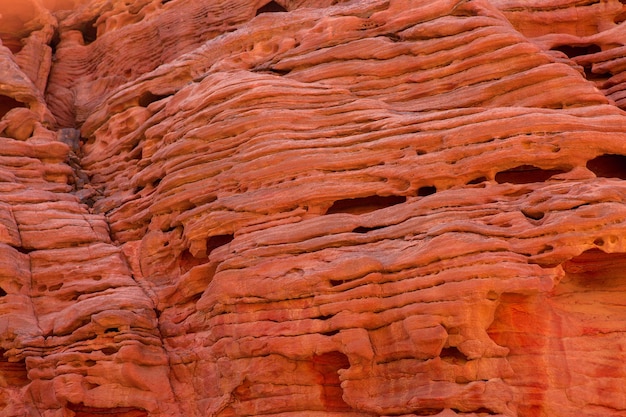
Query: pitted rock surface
[(312, 208)]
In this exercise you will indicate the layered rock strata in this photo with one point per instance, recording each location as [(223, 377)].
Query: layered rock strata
[(312, 208)]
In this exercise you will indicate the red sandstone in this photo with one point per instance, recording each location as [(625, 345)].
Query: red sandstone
[(312, 208)]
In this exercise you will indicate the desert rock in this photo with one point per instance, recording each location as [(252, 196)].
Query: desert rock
[(312, 208)]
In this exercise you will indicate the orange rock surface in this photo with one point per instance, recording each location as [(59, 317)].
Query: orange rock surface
[(312, 208)]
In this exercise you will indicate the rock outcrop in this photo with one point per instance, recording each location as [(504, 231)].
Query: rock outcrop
[(312, 208)]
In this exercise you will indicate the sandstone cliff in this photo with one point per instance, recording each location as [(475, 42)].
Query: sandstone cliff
[(312, 208)]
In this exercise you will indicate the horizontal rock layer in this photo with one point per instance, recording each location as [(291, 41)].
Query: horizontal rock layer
[(320, 208)]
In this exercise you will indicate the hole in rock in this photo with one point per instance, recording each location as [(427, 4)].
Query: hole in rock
[(215, 242), (330, 333), (428, 190), (146, 98), (364, 204), (112, 330), (13, 373), (608, 166), (525, 174), (81, 410), (580, 50), (2, 292), (89, 31), (109, 350), (362, 229), (271, 7), (8, 103), (90, 363), (453, 355), (327, 317), (327, 366), (534, 215)]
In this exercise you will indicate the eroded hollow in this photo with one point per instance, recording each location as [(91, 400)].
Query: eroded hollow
[(327, 366), (147, 98), (526, 174), (365, 204), (81, 410), (608, 166), (271, 7), (89, 31), (8, 103), (579, 50)]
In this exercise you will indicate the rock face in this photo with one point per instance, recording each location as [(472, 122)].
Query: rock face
[(312, 208)]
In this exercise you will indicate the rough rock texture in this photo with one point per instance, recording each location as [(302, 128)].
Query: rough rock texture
[(312, 208)]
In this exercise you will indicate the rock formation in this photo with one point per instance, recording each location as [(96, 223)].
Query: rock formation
[(312, 208)]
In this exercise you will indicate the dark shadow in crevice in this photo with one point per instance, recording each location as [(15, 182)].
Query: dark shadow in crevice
[(271, 7), (81, 410), (89, 31), (362, 229), (578, 50), (365, 204), (8, 103), (147, 98), (608, 166), (526, 174), (215, 242), (453, 355), (426, 190)]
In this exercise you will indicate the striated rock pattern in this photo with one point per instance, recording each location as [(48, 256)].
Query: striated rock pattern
[(312, 208)]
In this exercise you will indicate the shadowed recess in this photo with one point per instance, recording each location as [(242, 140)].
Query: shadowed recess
[(365, 204), (579, 50), (147, 98), (81, 410), (608, 166), (271, 7), (89, 31), (8, 103), (327, 366), (525, 174)]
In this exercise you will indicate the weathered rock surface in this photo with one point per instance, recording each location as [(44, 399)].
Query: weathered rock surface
[(312, 208)]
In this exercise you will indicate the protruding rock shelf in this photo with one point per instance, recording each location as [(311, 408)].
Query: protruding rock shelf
[(318, 208)]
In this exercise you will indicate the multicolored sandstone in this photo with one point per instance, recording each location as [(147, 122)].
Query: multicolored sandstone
[(312, 208)]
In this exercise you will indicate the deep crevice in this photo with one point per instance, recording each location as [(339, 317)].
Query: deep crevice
[(147, 98), (8, 103), (608, 166), (89, 31), (81, 410), (578, 50), (362, 229), (525, 174), (426, 190), (365, 204)]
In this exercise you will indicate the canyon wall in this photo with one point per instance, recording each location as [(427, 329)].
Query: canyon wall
[(312, 208)]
